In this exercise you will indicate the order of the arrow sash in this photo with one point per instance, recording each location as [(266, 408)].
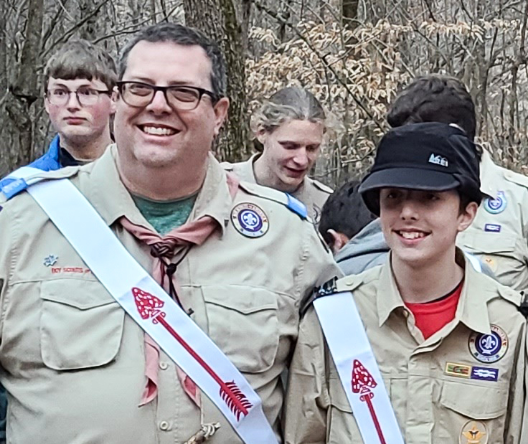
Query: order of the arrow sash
[(357, 368), (151, 307)]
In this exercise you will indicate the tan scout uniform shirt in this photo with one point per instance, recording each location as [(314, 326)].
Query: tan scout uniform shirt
[(499, 234), (74, 363), (311, 193), (432, 384)]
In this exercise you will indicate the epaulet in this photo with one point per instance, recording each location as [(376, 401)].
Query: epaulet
[(285, 199), (322, 186), (227, 166), (329, 288), (10, 187), (517, 298), (517, 178)]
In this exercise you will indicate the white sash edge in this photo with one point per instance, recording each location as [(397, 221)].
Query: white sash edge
[(119, 272), (347, 341)]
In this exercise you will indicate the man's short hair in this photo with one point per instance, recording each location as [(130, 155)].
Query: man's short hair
[(80, 59), (345, 212), (435, 98), (185, 36)]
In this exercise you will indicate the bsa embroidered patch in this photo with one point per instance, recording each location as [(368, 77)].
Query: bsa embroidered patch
[(491, 262), (458, 370), (50, 260), (492, 228), (488, 348), (496, 206), (473, 432), (485, 373), (250, 220)]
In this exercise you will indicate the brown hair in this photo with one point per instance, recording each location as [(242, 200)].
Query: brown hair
[(81, 59)]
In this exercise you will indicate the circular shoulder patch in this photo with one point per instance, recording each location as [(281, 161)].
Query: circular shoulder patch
[(496, 206), (488, 348), (250, 220)]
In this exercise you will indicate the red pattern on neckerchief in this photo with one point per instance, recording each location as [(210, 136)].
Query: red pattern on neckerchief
[(163, 249)]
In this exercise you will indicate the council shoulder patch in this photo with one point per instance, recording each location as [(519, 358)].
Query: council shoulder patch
[(249, 220), (496, 206), (489, 348)]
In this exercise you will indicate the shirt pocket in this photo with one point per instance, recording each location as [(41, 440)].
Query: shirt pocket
[(81, 324), (243, 323), (463, 402)]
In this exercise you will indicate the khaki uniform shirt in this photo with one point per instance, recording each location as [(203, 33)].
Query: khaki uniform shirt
[(73, 363), (499, 234), (438, 389), (311, 193)]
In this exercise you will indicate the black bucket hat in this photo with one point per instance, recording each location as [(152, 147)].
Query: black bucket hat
[(423, 156)]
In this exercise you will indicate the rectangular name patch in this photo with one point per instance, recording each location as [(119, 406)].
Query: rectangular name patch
[(458, 370), (485, 374), (492, 228)]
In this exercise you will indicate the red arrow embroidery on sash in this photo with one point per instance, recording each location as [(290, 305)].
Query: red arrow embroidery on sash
[(362, 384), (149, 306)]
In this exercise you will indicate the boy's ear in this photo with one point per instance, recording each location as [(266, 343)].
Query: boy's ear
[(467, 216)]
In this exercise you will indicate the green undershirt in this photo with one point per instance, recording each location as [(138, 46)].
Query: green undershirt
[(165, 216)]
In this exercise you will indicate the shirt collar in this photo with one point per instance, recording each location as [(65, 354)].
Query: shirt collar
[(472, 307), (112, 200), (488, 172)]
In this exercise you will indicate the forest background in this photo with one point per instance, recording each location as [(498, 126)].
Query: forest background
[(354, 55)]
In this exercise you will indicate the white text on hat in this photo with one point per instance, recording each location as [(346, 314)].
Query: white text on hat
[(438, 160)]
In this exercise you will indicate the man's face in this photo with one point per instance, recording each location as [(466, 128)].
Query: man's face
[(290, 151), (420, 227), (158, 135), (76, 123)]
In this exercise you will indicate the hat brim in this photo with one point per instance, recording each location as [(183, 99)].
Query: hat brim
[(410, 178)]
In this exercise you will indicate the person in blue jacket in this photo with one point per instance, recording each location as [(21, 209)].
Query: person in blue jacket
[(79, 80)]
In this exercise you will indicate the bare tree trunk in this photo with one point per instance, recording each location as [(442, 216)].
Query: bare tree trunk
[(23, 92), (349, 9), (218, 19)]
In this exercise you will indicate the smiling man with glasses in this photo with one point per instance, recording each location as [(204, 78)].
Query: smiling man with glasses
[(184, 332)]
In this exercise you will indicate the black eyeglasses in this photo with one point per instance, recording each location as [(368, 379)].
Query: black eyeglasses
[(139, 95), (85, 96)]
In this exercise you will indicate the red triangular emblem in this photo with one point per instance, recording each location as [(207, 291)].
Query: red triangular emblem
[(362, 380), (147, 304)]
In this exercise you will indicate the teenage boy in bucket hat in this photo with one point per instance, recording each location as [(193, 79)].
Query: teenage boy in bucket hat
[(449, 342)]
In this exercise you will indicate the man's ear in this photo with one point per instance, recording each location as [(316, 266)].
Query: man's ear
[(339, 240), (220, 110)]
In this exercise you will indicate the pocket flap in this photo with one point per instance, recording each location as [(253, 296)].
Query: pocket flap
[(245, 300), (477, 402), (475, 240), (79, 293)]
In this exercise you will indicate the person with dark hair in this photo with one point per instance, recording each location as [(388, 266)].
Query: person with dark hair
[(290, 126), (422, 348), (96, 349), (343, 216), (498, 237)]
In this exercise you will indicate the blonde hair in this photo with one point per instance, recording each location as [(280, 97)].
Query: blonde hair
[(290, 103)]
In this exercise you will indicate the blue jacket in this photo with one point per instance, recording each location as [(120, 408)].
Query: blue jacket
[(48, 162)]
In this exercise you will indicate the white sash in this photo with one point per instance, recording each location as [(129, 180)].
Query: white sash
[(357, 368), (151, 307)]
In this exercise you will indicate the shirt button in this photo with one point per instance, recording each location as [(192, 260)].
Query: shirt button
[(164, 425), (163, 365)]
